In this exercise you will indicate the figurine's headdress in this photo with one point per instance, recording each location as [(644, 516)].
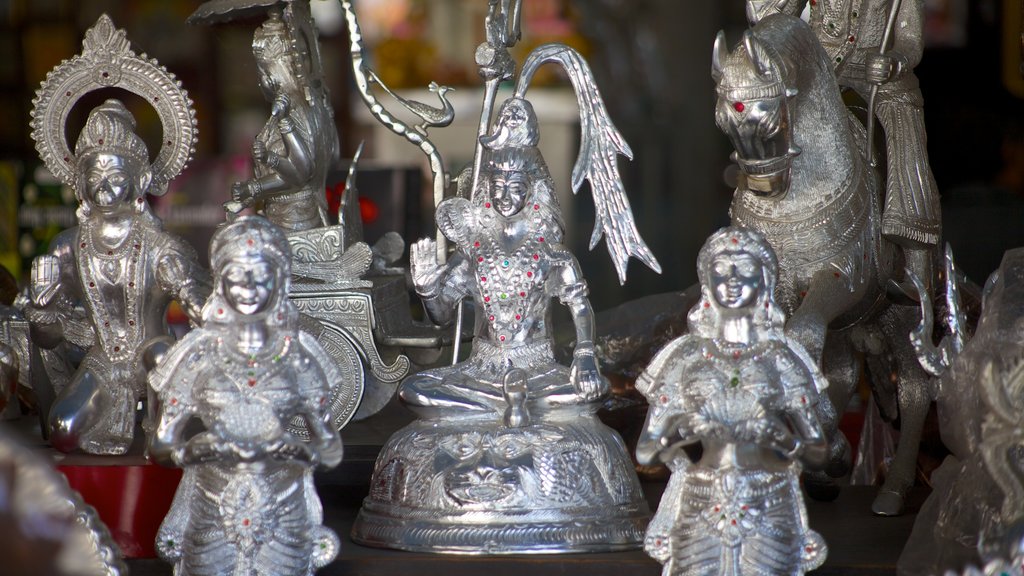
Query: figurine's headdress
[(107, 61), (704, 317), (111, 129), (251, 238)]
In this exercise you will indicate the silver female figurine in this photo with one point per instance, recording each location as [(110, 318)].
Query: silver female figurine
[(745, 393), (508, 456), (106, 284), (260, 387), (296, 148)]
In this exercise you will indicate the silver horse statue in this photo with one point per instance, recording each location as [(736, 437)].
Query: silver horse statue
[(805, 183)]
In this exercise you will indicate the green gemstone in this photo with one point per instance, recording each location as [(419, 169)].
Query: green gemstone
[(734, 382), (277, 358), (504, 296), (505, 263), (323, 546)]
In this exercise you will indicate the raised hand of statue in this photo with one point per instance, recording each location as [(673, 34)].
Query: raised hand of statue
[(259, 151), (281, 106), (585, 375), (44, 283), (423, 267), (881, 68)]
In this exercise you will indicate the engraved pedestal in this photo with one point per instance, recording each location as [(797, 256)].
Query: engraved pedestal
[(474, 486)]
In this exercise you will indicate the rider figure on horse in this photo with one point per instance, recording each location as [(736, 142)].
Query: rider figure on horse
[(853, 34)]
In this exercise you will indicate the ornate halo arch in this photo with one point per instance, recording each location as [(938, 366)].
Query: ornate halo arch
[(107, 61)]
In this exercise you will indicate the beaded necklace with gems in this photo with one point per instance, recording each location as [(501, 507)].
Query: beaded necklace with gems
[(246, 370), (838, 23), (507, 280), (118, 348)]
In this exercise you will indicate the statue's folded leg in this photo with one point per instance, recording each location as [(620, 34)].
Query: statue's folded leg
[(77, 410), (433, 395)]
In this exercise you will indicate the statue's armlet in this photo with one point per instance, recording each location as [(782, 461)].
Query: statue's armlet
[(566, 280), (180, 275)]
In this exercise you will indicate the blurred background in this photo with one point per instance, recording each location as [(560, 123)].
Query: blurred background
[(651, 58)]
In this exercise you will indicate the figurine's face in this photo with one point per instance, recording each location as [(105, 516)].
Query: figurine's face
[(109, 182), (509, 191), (736, 280), (249, 285)]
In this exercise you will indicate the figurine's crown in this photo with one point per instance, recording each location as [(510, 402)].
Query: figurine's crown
[(111, 129), (251, 237)]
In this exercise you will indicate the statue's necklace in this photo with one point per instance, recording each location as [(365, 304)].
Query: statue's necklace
[(246, 370)]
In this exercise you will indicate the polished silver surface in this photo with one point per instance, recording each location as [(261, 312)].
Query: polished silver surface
[(299, 143), (47, 526), (874, 46), (746, 393), (805, 184), (508, 455), (292, 156), (265, 392), (105, 285)]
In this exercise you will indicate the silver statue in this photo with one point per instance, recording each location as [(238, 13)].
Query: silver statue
[(508, 456), (260, 386), (874, 46), (106, 284), (806, 185), (299, 143), (292, 157), (46, 529), (746, 393)]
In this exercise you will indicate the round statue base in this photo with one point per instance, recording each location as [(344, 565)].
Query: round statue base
[(476, 486)]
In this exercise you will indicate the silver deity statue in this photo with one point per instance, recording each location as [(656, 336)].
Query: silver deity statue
[(299, 143), (874, 46), (743, 391), (106, 284), (806, 185), (508, 456), (260, 386)]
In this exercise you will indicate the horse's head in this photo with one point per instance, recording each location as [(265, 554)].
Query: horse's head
[(753, 111)]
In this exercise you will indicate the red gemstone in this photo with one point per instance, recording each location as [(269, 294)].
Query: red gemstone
[(246, 522), (536, 206), (523, 294), (483, 279), (252, 382), (502, 338), (735, 240), (739, 106), (536, 256), (736, 354), (852, 39), (117, 348), (92, 284), (138, 200), (220, 310), (492, 318), (249, 242), (82, 244), (174, 401), (518, 317), (707, 304), (110, 252), (529, 274), (487, 298), (541, 239), (480, 259), (131, 322), (734, 522), (487, 205), (476, 244)]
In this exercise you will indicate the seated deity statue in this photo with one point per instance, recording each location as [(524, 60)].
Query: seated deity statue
[(106, 284), (260, 387), (740, 389), (297, 146), (510, 260)]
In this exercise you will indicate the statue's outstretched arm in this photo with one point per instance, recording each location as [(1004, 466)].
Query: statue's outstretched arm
[(572, 292)]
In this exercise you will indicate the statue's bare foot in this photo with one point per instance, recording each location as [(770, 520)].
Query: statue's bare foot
[(514, 388)]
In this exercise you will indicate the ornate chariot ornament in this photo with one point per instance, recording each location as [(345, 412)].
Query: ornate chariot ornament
[(271, 401), (107, 61), (743, 391)]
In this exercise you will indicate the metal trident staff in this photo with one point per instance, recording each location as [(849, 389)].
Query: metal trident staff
[(503, 29), (890, 24), (496, 65)]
